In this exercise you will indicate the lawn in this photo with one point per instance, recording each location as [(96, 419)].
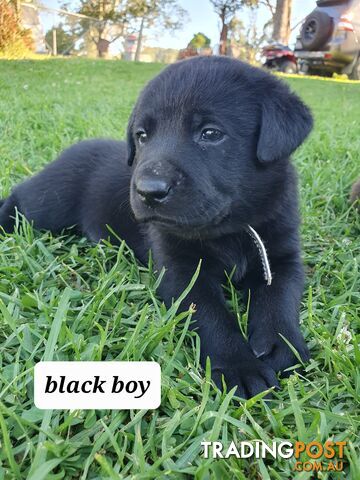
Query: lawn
[(62, 298)]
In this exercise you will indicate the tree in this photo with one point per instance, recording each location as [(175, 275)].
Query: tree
[(14, 39), (199, 40), (64, 39), (166, 14), (226, 9), (280, 11), (281, 19), (246, 43), (112, 19), (103, 20)]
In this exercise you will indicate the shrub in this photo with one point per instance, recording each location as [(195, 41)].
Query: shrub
[(15, 41)]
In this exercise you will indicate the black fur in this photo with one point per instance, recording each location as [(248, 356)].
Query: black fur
[(210, 189)]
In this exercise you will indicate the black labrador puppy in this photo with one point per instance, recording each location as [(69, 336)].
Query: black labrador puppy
[(207, 154)]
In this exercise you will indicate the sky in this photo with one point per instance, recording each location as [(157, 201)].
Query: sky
[(201, 19)]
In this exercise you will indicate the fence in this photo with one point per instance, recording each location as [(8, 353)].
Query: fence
[(38, 17)]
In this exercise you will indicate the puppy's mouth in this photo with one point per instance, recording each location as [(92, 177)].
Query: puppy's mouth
[(184, 224)]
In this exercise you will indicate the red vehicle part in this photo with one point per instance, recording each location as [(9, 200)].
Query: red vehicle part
[(279, 58)]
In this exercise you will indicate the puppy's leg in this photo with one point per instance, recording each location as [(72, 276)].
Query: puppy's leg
[(220, 336), (274, 311)]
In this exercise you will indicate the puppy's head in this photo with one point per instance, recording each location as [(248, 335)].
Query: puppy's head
[(209, 140)]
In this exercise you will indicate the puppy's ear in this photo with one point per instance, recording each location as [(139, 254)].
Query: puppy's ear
[(285, 123), (131, 148)]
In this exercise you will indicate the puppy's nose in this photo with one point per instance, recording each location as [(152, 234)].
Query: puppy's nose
[(152, 191)]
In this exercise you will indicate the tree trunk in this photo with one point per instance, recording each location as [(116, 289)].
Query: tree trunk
[(54, 42), (223, 33), (139, 40), (281, 32), (102, 47)]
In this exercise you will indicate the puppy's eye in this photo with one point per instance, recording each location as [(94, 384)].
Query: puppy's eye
[(211, 135), (142, 137)]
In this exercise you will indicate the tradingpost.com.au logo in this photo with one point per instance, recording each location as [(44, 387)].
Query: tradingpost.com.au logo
[(322, 457)]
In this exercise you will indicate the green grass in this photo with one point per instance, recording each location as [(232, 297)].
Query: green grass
[(96, 303)]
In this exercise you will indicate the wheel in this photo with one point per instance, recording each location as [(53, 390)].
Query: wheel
[(287, 66), (316, 30), (355, 74), (268, 66)]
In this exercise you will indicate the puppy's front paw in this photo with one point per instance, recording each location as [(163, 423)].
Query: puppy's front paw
[(272, 349), (251, 377)]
